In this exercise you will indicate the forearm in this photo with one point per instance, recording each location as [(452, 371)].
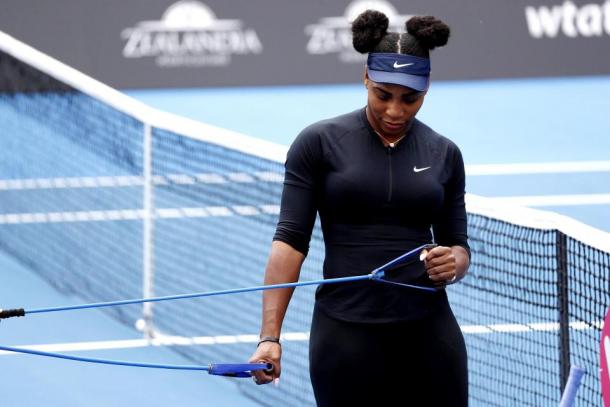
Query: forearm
[(284, 266), (462, 261)]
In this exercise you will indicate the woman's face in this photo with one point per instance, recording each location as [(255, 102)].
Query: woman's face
[(391, 108)]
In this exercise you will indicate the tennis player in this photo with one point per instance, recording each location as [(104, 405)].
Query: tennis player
[(382, 183)]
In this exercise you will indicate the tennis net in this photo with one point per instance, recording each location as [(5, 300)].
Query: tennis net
[(109, 199)]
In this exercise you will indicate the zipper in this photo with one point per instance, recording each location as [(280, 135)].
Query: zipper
[(390, 173)]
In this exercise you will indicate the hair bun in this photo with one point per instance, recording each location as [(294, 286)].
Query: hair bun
[(429, 31), (368, 29)]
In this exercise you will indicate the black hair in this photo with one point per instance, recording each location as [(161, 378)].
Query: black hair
[(370, 34)]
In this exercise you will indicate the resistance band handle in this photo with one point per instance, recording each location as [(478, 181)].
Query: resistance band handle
[(9, 313), (410, 256), (237, 370), (430, 246)]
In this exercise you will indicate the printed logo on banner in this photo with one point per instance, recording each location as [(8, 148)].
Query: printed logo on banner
[(569, 19), (333, 35), (189, 34)]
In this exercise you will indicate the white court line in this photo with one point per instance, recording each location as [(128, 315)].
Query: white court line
[(169, 340), (161, 340), (270, 176), (136, 214), (538, 168), (137, 181), (554, 200), (251, 210), (531, 327)]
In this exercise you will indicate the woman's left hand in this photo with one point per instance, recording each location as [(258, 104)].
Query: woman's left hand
[(441, 265)]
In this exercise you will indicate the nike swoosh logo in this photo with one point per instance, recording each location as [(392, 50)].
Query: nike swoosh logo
[(415, 169), (397, 65)]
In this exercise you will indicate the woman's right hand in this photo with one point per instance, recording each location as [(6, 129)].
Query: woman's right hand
[(267, 352), (284, 266)]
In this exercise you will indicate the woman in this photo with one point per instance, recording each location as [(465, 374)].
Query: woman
[(383, 183)]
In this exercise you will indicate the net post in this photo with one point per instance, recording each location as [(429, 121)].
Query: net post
[(563, 306), (148, 233)]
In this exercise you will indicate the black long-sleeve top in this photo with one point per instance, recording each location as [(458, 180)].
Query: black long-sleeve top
[(375, 203)]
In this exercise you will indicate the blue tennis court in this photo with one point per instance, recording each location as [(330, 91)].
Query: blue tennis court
[(36, 380), (79, 225)]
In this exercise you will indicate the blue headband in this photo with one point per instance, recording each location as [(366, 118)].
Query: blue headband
[(400, 69)]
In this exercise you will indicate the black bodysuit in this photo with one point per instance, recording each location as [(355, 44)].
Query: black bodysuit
[(376, 203)]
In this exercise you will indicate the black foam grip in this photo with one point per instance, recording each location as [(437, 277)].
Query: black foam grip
[(9, 313)]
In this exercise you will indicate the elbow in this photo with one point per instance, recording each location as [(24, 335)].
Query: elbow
[(297, 240)]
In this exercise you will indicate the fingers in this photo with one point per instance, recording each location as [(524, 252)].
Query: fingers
[(444, 280), (440, 265), (423, 255), (267, 352), (266, 376), (263, 376)]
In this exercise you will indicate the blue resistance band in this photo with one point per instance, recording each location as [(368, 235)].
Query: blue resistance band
[(376, 275), (232, 370), (219, 369)]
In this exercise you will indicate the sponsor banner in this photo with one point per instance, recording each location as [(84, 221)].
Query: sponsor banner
[(189, 34), (192, 43), (605, 360)]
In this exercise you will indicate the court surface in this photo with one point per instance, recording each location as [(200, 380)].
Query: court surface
[(39, 381), (497, 124)]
